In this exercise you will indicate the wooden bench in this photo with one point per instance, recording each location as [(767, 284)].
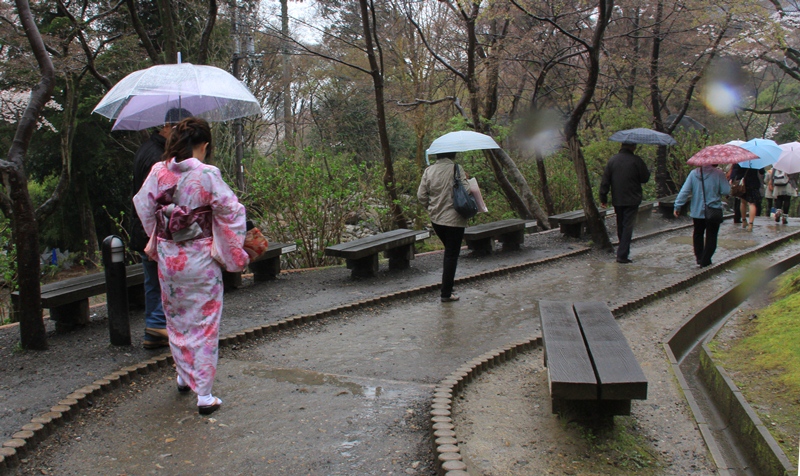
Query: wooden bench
[(511, 233), (590, 367), (265, 267), (572, 223), (361, 255), (666, 206), (68, 299), (645, 211)]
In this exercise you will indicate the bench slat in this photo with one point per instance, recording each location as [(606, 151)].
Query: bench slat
[(487, 230), (371, 245), (573, 217), (569, 367), (620, 376)]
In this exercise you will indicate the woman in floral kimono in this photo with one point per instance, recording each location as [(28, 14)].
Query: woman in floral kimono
[(196, 227)]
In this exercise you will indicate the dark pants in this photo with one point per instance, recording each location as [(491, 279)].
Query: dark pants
[(704, 239), (783, 202), (451, 237), (626, 218), (737, 211), (769, 206)]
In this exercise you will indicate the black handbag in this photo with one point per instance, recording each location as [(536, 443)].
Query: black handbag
[(463, 201), (712, 215)]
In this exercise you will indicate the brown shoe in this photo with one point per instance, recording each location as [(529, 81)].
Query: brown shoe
[(155, 338), (157, 333), (155, 344)]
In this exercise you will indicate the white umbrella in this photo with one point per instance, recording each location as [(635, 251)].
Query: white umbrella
[(789, 161), (461, 141), (142, 99)]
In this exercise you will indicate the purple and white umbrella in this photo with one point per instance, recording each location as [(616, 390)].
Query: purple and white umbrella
[(141, 99)]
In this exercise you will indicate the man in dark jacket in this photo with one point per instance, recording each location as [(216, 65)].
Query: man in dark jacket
[(155, 331), (624, 175)]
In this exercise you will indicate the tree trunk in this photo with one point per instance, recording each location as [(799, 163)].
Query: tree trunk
[(26, 232), (168, 28), (548, 198), (87, 225), (376, 72), (665, 186), (532, 206), (595, 223)]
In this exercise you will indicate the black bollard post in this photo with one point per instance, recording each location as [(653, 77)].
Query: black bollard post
[(116, 290)]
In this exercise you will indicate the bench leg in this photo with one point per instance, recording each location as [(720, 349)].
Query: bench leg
[(481, 247), (512, 241), (231, 281), (591, 409), (266, 270), (366, 267), (573, 229), (70, 316), (400, 257)]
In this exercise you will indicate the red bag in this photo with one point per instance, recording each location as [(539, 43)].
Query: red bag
[(255, 244)]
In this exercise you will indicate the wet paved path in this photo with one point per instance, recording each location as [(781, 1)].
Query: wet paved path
[(349, 395)]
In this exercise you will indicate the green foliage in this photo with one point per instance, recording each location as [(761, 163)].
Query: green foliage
[(765, 361), (306, 202), (774, 343), (617, 448)]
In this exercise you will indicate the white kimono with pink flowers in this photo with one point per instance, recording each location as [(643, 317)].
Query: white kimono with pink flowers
[(190, 272)]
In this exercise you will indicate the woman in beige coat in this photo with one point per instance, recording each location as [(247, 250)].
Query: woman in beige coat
[(435, 193)]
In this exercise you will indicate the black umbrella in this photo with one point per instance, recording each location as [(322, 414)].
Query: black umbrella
[(642, 136)]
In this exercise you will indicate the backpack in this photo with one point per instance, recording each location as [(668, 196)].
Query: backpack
[(780, 178)]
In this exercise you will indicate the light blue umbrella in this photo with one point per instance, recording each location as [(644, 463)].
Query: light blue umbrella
[(768, 152), (461, 141)]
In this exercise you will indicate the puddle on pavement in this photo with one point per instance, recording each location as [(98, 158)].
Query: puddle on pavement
[(308, 377), (727, 244)]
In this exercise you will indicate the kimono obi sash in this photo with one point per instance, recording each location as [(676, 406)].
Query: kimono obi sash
[(179, 222)]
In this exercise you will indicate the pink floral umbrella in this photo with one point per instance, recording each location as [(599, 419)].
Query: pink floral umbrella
[(721, 154)]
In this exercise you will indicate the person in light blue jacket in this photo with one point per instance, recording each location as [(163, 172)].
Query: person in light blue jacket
[(705, 233)]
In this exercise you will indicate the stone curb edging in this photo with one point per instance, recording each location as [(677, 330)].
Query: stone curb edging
[(449, 461), (25, 441)]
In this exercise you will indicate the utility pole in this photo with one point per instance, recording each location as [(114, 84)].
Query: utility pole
[(238, 127), (243, 48)]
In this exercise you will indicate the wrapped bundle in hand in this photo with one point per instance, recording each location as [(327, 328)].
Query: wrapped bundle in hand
[(255, 244)]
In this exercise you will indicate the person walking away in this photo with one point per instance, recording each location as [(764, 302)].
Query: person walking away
[(767, 187), (752, 193), (435, 193), (624, 175), (783, 189), (196, 227), (706, 185), (150, 152)]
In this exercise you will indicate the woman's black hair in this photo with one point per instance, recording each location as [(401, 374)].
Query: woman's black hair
[(187, 134)]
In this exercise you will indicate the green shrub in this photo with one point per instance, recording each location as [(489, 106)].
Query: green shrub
[(305, 202)]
